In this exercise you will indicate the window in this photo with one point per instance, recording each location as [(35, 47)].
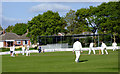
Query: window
[(18, 42)]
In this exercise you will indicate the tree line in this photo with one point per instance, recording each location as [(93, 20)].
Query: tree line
[(105, 19)]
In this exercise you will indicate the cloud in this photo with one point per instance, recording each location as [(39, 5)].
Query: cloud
[(58, 0), (46, 6), (0, 13), (6, 21)]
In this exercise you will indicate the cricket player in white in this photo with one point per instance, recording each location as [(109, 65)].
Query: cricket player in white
[(23, 50), (91, 48), (114, 44), (13, 49), (77, 48), (103, 47), (27, 51)]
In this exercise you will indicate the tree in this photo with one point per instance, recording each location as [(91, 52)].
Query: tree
[(20, 28), (70, 19), (104, 18), (81, 16), (1, 28), (49, 23), (74, 24), (87, 18), (109, 14), (9, 28)]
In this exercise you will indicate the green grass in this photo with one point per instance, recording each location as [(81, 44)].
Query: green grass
[(61, 62)]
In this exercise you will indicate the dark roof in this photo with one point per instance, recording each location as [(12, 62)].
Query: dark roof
[(13, 36), (24, 37), (9, 36)]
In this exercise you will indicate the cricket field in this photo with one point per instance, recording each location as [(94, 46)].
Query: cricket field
[(61, 62)]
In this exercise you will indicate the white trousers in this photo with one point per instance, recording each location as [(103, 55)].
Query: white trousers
[(27, 53), (13, 54), (91, 49), (102, 50), (23, 52), (114, 48), (77, 56)]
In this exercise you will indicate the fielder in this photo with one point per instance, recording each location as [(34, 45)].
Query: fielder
[(103, 47), (77, 48), (114, 44), (23, 50), (11, 51), (91, 48), (27, 51)]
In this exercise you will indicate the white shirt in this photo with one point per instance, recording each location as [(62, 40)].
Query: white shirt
[(91, 45), (77, 46), (11, 48), (114, 44), (28, 48), (23, 48), (103, 45)]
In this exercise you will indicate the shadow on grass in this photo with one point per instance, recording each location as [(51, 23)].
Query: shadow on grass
[(83, 60)]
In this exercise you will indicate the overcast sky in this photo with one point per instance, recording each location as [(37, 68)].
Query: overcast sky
[(22, 12)]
